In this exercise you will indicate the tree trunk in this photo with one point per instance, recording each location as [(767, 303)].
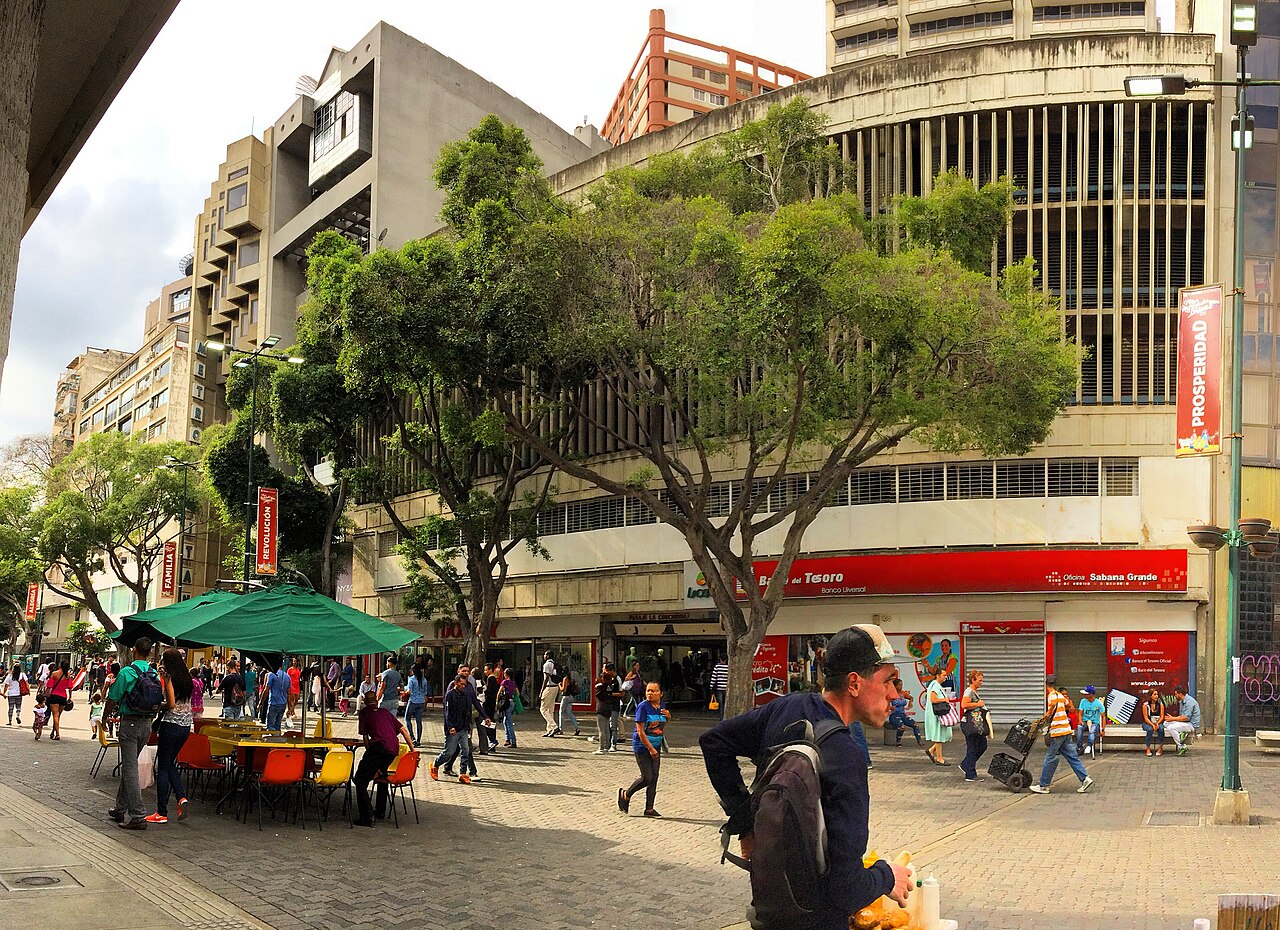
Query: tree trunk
[(484, 611), (740, 696), (20, 25), (337, 502)]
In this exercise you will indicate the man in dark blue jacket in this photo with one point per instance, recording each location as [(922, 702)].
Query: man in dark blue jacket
[(458, 704), (858, 672)]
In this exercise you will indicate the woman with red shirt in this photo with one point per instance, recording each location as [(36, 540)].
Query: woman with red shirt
[(58, 694)]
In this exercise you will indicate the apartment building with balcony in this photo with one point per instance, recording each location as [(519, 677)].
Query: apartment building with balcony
[(860, 31), (676, 77), (88, 368)]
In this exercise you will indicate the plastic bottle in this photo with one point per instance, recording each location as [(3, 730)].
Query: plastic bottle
[(930, 904), (913, 902)]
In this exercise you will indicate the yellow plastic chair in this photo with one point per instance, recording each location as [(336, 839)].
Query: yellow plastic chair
[(404, 751), (327, 732), (334, 774), (105, 745)]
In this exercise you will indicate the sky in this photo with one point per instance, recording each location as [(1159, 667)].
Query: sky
[(116, 228)]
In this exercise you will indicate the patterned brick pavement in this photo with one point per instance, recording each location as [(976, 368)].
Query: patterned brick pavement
[(540, 838)]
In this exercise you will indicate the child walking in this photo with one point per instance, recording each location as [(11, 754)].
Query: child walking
[(38, 713)]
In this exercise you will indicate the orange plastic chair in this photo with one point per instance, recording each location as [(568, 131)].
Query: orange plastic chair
[(196, 757), (397, 781), (284, 771)]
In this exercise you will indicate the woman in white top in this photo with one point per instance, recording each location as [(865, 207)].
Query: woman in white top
[(15, 687), (175, 727)]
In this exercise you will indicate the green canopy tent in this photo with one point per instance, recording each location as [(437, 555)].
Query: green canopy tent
[(142, 623)]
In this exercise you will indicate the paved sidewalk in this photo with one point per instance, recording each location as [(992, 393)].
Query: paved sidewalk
[(541, 839)]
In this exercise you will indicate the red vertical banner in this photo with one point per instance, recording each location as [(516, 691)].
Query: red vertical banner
[(33, 600), (1199, 371), (769, 669), (169, 569), (268, 513)]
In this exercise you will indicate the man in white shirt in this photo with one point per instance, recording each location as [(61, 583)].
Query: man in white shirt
[(42, 673), (550, 695)]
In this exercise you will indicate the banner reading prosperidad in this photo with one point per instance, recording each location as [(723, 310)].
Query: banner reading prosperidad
[(1199, 371)]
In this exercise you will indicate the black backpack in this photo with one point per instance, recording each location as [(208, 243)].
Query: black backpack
[(146, 694), (789, 852)]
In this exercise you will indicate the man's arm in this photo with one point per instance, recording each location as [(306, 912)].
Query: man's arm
[(845, 809), (722, 746)]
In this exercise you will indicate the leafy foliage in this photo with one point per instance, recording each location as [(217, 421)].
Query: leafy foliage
[(86, 640)]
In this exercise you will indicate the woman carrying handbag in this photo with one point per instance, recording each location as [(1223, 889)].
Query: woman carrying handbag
[(973, 724), (935, 730)]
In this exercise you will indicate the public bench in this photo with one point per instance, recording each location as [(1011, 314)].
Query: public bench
[(1120, 736), (1267, 740)]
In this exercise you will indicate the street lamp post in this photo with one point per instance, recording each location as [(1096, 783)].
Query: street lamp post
[(1232, 804), (250, 360), (172, 462)]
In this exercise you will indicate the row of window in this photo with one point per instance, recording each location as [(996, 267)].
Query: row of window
[(867, 38), (1089, 10), (891, 484), (335, 121), (856, 6), (716, 100), (955, 23)]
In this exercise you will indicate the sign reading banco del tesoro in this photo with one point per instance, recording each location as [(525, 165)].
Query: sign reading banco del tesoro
[(1199, 371), (1020, 571), (268, 522)]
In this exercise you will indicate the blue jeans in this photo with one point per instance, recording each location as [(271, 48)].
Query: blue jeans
[(1086, 734), (566, 711), (1154, 735), (509, 722), (412, 715), (1061, 746), (457, 742), (720, 692), (232, 711), (608, 728), (974, 747), (860, 739), (903, 722), (275, 716), (168, 776)]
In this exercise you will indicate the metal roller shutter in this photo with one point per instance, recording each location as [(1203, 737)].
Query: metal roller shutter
[(1012, 669), (1080, 659)]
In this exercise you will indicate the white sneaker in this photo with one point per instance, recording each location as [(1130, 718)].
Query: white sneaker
[(1039, 789), (1089, 750), (1084, 785), (600, 752)]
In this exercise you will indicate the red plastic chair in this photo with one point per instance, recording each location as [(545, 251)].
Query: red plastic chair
[(283, 771), (397, 781), (195, 757)]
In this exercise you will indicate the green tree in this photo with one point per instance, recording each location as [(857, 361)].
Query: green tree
[(782, 342), (20, 564), (108, 506), (88, 641), (430, 335)]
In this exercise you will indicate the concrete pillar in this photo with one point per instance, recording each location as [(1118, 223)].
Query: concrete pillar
[(20, 22)]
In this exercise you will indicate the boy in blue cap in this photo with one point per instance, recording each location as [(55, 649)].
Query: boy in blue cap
[(1091, 718)]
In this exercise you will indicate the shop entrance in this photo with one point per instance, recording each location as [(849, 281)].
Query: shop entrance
[(683, 667)]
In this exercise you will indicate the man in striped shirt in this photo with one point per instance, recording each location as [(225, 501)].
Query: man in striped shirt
[(1060, 740), (720, 682)]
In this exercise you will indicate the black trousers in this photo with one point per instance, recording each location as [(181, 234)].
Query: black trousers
[(648, 780), (375, 760)]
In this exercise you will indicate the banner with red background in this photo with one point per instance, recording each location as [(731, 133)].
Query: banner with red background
[(169, 569), (268, 521), (769, 669), (1199, 371)]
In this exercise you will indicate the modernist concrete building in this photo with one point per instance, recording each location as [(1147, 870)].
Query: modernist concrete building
[(1086, 568), (675, 77), (88, 369)]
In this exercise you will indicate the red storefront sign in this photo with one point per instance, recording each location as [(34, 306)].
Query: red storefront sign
[(1137, 662), (1021, 571), (169, 569), (1199, 371), (1000, 627), (769, 669), (268, 514), (33, 600)]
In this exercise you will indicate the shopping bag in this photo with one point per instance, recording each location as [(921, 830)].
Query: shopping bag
[(146, 767), (519, 704), (714, 705)]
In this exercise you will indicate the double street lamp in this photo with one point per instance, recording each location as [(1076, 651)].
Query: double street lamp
[(250, 360), (171, 462), (1232, 805)]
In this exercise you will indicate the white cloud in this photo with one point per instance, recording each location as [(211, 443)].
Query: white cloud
[(113, 232)]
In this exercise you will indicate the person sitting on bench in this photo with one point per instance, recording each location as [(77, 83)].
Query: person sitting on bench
[(1185, 722), (899, 717)]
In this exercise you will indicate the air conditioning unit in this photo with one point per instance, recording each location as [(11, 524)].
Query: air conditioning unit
[(195, 434)]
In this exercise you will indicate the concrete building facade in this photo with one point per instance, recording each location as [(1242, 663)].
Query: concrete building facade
[(87, 370), (1121, 202), (675, 77)]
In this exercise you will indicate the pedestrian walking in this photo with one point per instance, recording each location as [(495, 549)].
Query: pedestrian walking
[(609, 695), (973, 724), (389, 685), (250, 675), (381, 731), (1061, 742), (568, 694), (57, 695), (506, 706), (39, 714), (233, 690), (858, 673), (458, 705), (720, 683), (16, 687), (277, 698), (550, 694), (633, 684), (175, 726), (416, 705), (137, 695), (934, 730), (295, 692), (489, 734), (651, 717)]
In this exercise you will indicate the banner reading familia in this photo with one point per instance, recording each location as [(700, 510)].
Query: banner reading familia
[(268, 521), (1199, 371), (169, 569)]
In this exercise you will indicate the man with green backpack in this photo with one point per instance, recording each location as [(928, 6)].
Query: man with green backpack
[(137, 695)]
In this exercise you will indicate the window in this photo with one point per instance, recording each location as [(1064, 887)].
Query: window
[(920, 483), (873, 486), (162, 369), (249, 253), (387, 543), (866, 38), (970, 481), (1089, 11), (113, 408), (126, 425), (1023, 478), (335, 121), (84, 425), (159, 400), (155, 430), (180, 301), (700, 73), (744, 88), (1073, 477), (237, 197), (719, 77), (253, 309), (853, 6), (98, 417), (1120, 477), (238, 173), (971, 21), (716, 100)]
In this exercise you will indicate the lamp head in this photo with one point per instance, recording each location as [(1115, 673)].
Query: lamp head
[(270, 341), (1244, 23), (1155, 85)]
